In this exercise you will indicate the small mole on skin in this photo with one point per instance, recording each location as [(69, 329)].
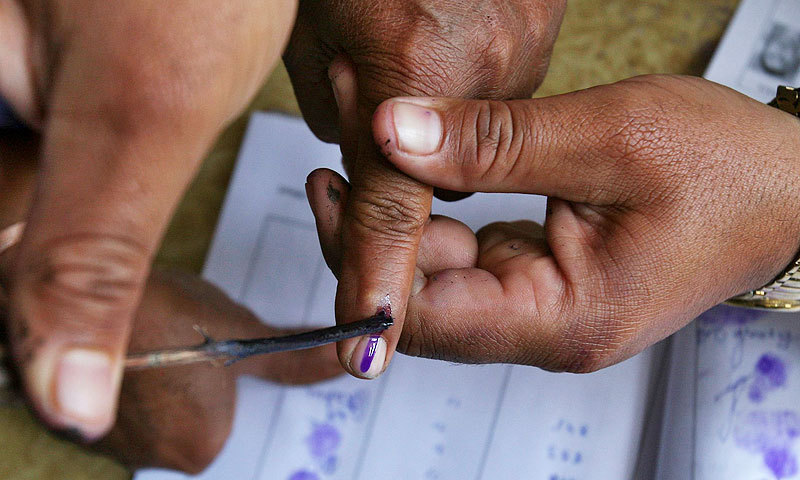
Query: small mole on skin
[(388, 141), (333, 194)]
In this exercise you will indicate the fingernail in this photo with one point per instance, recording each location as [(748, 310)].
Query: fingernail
[(418, 129), (84, 385), (369, 356)]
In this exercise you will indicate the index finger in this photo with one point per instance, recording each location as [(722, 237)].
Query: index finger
[(380, 233)]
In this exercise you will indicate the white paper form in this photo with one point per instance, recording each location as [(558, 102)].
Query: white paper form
[(760, 49), (423, 419), (734, 394)]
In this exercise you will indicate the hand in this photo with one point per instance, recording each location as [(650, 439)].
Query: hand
[(180, 417), (161, 422), (486, 49), (128, 95), (667, 195)]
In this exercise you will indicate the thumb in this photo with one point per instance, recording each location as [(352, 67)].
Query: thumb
[(552, 146), (108, 183)]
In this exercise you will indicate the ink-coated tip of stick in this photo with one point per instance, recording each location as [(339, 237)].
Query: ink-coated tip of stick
[(231, 351)]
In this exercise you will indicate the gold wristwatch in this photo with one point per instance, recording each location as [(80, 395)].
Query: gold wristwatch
[(782, 294)]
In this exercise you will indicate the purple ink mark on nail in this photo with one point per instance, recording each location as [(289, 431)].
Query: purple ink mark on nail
[(369, 353), (782, 463), (722, 315), (304, 475), (772, 368), (324, 440)]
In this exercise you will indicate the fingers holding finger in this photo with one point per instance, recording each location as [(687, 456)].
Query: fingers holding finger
[(508, 309), (445, 243)]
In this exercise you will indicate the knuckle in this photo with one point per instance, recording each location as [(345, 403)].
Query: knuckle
[(398, 213), (87, 278), (492, 138), (637, 127), (636, 138), (499, 47), (589, 344), (630, 136)]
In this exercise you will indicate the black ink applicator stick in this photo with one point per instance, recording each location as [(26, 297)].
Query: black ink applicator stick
[(231, 351)]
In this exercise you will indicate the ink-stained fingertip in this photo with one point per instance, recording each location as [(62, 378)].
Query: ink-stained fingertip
[(369, 357)]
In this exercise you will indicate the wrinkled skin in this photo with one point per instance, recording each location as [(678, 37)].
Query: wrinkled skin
[(176, 417), (667, 195), (128, 96), (179, 417), (370, 50)]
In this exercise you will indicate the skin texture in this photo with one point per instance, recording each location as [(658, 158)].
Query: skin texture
[(667, 195), (177, 417), (180, 417), (128, 96), (368, 51)]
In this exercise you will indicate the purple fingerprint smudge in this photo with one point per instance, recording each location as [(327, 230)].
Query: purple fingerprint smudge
[(304, 475), (324, 440), (771, 435), (769, 374), (781, 463), (772, 369), (357, 403)]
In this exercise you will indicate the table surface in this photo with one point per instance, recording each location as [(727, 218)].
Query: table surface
[(600, 42)]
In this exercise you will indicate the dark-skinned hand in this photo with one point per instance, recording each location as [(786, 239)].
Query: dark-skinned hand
[(128, 95), (174, 417), (666, 196), (476, 49)]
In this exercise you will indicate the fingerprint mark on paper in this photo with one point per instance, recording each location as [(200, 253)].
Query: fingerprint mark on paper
[(771, 435), (769, 374)]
